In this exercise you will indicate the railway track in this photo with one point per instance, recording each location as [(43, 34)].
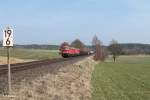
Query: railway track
[(34, 64)]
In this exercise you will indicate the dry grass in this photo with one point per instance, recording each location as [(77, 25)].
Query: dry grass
[(3, 60), (72, 82)]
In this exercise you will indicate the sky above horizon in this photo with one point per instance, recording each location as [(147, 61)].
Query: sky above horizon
[(55, 21)]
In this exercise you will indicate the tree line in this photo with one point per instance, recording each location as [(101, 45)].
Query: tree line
[(101, 52)]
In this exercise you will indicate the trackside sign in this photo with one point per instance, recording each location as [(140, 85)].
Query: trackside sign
[(8, 37)]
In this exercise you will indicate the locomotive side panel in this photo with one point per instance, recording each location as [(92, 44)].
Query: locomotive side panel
[(67, 51)]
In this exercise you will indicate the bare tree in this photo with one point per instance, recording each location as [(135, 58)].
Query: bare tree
[(97, 55), (115, 49), (63, 45), (78, 44), (100, 52), (95, 41)]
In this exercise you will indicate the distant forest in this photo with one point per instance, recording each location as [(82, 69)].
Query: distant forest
[(127, 48), (135, 48)]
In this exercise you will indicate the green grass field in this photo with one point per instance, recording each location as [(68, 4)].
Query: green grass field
[(30, 53), (127, 79)]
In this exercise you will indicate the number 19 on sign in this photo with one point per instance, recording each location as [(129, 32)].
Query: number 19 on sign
[(8, 37), (8, 42)]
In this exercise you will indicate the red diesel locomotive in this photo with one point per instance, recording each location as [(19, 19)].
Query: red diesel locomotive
[(67, 51)]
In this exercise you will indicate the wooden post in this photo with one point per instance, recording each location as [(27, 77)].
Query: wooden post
[(9, 70)]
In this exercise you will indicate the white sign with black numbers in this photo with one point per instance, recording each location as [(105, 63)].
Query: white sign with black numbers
[(8, 37)]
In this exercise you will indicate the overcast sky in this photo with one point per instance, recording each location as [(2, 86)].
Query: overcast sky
[(55, 21)]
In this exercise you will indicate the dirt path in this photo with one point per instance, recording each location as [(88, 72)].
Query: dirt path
[(67, 83)]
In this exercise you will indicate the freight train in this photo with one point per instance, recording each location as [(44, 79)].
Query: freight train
[(67, 51)]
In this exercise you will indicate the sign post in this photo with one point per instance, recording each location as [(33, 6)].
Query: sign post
[(9, 69), (8, 42)]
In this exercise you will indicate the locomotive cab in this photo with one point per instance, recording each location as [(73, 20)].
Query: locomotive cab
[(67, 51)]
